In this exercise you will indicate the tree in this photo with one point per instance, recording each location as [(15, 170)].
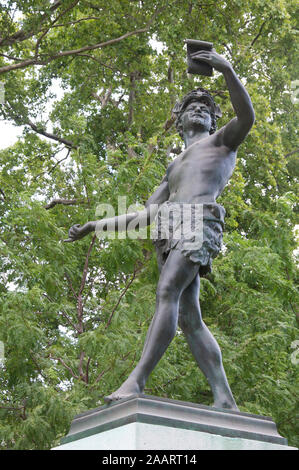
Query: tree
[(73, 317)]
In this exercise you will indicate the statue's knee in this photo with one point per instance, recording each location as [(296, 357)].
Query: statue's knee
[(190, 319), (166, 291)]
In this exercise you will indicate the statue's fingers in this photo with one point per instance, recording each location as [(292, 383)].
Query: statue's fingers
[(73, 232), (204, 58), (201, 56), (201, 53), (75, 226)]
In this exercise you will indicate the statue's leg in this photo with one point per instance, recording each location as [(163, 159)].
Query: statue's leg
[(204, 347), (177, 273)]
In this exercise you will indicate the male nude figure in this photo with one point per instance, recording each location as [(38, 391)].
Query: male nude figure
[(197, 176)]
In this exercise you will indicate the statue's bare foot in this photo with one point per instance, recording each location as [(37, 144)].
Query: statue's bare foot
[(128, 388)]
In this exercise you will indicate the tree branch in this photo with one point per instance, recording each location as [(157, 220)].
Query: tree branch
[(77, 21), (80, 368), (121, 296), (101, 374), (292, 153), (87, 370), (70, 285), (100, 62), (86, 265), (45, 59), (40, 371), (63, 314), (260, 32), (11, 408), (104, 97), (22, 35), (52, 23), (131, 364), (22, 119), (99, 45), (20, 409), (109, 368), (38, 130), (83, 281), (53, 167), (59, 359)]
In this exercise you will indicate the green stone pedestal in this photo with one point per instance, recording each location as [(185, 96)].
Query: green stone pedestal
[(143, 422)]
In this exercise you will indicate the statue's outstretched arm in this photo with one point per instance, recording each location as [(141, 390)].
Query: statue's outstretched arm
[(121, 222)]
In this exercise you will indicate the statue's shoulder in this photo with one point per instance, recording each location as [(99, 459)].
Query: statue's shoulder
[(217, 137), (172, 164)]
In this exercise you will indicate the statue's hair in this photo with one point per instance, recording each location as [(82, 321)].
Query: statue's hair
[(195, 95)]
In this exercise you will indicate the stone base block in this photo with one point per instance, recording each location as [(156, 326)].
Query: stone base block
[(143, 422)]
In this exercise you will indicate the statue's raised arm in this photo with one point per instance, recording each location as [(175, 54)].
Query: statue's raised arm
[(237, 129)]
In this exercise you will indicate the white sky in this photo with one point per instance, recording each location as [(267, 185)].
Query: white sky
[(8, 134)]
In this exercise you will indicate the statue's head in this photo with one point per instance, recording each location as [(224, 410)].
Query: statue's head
[(198, 95)]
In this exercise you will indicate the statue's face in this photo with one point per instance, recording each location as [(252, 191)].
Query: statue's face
[(197, 114)]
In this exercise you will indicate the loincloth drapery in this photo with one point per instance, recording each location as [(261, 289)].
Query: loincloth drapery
[(194, 229)]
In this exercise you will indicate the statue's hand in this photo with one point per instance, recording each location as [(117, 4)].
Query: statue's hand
[(76, 232), (212, 58)]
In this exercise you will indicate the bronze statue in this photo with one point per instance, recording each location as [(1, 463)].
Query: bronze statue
[(196, 177)]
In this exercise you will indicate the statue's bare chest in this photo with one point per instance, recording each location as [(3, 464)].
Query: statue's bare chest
[(202, 164)]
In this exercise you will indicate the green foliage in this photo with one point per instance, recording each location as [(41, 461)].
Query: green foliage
[(106, 137)]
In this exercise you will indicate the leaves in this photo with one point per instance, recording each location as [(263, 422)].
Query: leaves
[(96, 125)]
